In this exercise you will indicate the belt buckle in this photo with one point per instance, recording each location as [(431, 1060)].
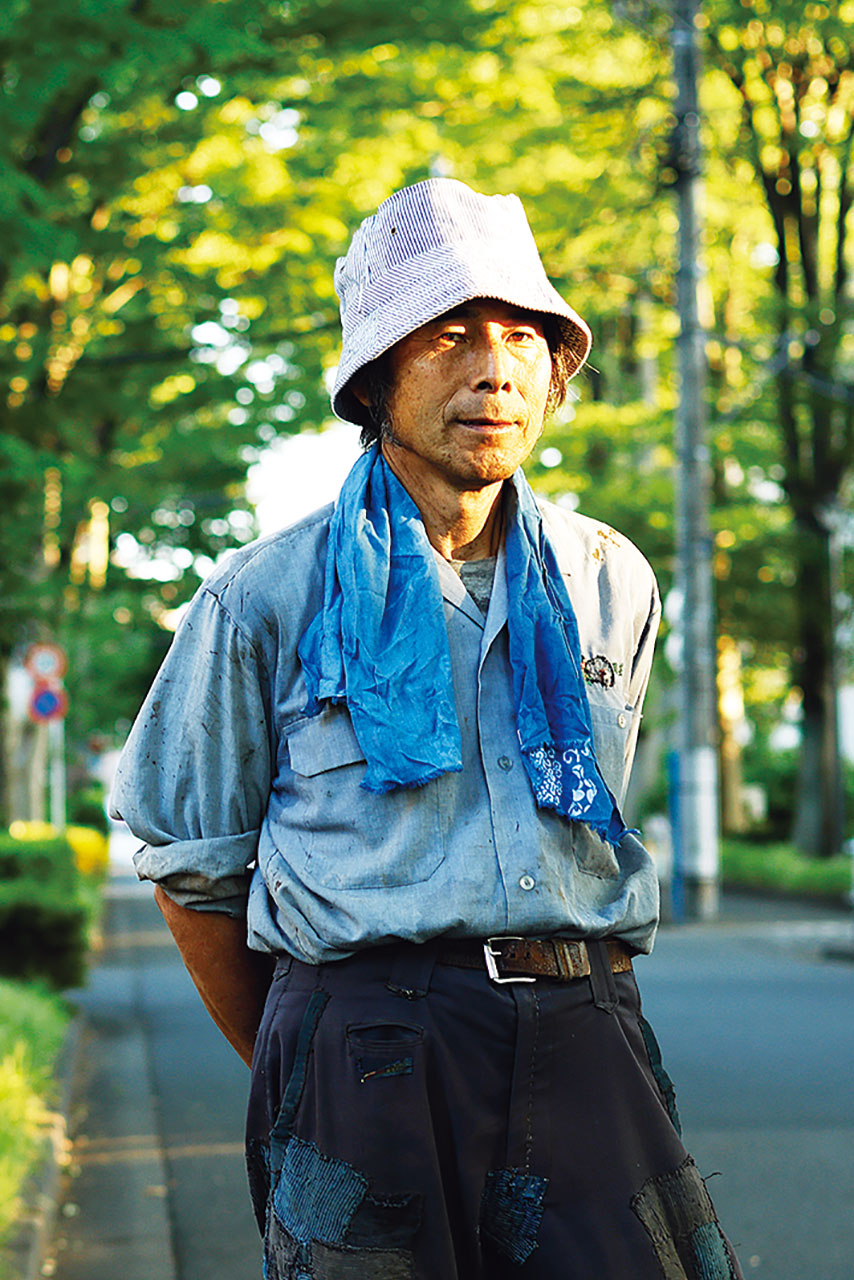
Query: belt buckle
[(491, 957)]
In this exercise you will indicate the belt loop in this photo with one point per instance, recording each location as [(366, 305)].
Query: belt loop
[(601, 977), (412, 969)]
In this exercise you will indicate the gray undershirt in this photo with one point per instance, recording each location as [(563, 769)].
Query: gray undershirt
[(477, 576)]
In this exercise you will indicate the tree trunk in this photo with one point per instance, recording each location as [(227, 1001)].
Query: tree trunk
[(819, 820)]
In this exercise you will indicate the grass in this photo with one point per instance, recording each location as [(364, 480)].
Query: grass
[(779, 868), (33, 1022)]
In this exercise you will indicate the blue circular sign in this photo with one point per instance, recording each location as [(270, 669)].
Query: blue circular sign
[(49, 702)]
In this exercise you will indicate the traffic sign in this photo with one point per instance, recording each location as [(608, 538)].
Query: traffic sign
[(48, 702), (46, 661)]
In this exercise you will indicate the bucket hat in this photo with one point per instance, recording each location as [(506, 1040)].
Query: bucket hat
[(429, 248)]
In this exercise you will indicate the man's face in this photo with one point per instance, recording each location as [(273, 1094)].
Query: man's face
[(468, 396)]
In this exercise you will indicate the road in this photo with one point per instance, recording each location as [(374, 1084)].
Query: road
[(757, 1029)]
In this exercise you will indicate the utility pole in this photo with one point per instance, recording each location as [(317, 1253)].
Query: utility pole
[(697, 840)]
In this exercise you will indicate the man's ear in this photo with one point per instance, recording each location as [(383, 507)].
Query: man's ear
[(359, 390)]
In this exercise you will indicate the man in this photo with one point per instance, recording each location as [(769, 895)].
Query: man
[(388, 746)]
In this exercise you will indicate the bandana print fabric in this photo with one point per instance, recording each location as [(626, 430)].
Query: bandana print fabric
[(552, 711), (379, 644)]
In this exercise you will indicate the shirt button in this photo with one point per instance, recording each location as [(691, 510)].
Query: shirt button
[(526, 882), (622, 720), (505, 763)]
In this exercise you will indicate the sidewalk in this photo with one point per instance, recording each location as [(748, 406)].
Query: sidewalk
[(113, 1222), (822, 930), (157, 1187)]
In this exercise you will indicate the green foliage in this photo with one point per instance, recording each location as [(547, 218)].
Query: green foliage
[(86, 809), (49, 860), (43, 932), (779, 868), (32, 1028), (44, 914), (776, 773), (178, 179)]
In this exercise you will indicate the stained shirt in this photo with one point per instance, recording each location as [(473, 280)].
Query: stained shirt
[(246, 804)]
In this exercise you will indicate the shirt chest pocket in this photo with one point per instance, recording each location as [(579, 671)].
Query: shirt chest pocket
[(612, 726), (348, 837)]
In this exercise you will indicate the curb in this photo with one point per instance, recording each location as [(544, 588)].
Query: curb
[(29, 1241)]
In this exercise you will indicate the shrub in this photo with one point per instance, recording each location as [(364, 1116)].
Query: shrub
[(43, 932), (45, 907), (780, 868), (86, 809), (49, 859), (777, 773), (91, 850)]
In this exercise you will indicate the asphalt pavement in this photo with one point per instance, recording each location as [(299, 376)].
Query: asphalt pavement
[(755, 1021)]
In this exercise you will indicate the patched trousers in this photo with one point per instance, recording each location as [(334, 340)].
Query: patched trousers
[(411, 1119)]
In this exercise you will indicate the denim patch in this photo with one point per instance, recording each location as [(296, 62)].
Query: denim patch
[(679, 1218), (340, 1263), (511, 1210), (711, 1252), (286, 1259), (387, 1221), (258, 1172), (316, 1196), (662, 1079), (282, 1254)]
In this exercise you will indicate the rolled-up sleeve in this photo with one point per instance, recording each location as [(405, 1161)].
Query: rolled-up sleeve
[(194, 778)]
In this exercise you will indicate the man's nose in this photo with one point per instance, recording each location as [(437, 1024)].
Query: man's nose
[(491, 364)]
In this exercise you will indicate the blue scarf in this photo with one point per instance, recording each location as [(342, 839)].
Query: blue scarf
[(379, 644)]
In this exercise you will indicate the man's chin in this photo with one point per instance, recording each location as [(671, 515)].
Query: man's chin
[(482, 477), (485, 467)]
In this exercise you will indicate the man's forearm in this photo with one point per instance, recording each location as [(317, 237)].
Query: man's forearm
[(232, 980)]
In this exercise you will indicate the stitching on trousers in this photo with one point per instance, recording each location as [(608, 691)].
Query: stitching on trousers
[(662, 1079), (283, 1127), (529, 1118)]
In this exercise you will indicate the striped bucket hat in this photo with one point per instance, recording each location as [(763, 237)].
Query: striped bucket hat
[(430, 248)]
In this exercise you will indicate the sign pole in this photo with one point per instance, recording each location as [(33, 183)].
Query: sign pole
[(46, 664), (56, 748), (698, 764)]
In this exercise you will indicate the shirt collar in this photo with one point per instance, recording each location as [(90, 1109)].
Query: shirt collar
[(454, 591)]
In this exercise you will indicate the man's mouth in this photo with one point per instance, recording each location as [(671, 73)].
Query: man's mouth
[(487, 424)]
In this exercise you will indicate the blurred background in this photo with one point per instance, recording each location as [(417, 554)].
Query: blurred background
[(177, 178), (177, 183)]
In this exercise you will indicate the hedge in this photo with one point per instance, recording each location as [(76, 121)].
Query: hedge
[(46, 904), (779, 868), (43, 932), (49, 859)]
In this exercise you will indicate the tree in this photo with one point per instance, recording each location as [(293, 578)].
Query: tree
[(792, 66), (166, 302)]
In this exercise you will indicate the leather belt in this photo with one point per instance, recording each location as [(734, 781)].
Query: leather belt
[(525, 959)]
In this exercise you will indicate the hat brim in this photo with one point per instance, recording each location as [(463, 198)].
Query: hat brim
[(429, 285)]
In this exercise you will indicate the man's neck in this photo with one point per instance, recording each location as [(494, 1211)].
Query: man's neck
[(462, 524)]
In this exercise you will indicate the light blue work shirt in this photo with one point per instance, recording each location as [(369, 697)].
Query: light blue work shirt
[(236, 792)]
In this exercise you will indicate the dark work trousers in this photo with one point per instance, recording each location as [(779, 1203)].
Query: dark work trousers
[(411, 1119)]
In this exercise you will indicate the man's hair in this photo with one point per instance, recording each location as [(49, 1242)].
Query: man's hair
[(376, 381)]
